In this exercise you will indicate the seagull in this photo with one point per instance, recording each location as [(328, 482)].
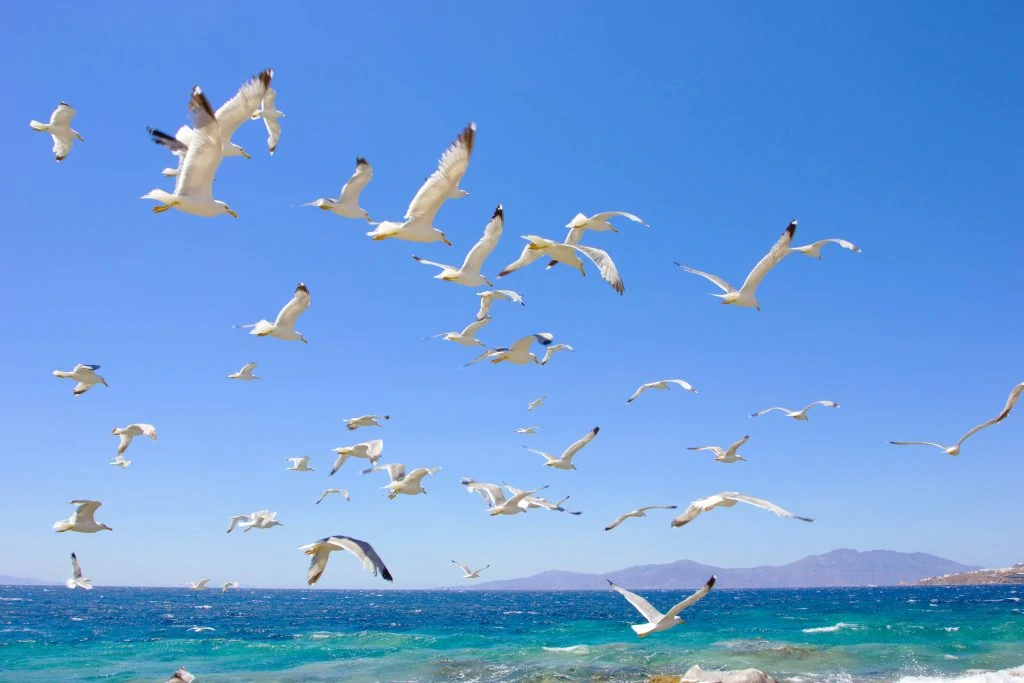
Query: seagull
[(467, 572), (797, 414), (552, 350), (82, 519), (181, 676), (60, 130), (354, 423), (469, 273), (245, 373), (77, 580), (328, 492), (487, 297), (236, 520), (199, 585), (729, 455), (598, 223), (729, 499), (465, 337), (814, 250), (565, 461), (639, 512), (531, 502), (519, 353), (526, 430), (955, 448), (569, 255), (371, 450), (176, 145), (401, 482), (498, 504), (347, 203), (119, 461), (441, 185), (270, 114), (744, 296), (364, 552), (227, 585), (661, 384), (261, 519), (656, 621), (284, 326), (85, 375), (299, 464), (130, 432), (535, 403)]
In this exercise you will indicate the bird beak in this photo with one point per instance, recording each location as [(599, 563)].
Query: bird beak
[(246, 154), (759, 307), (232, 213), (303, 340), (488, 282), (445, 240)]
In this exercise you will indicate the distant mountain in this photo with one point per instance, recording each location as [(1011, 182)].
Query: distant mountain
[(17, 581), (838, 568), (1014, 574)]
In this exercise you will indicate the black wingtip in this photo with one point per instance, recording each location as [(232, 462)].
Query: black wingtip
[(73, 556), (301, 287), (596, 430), (791, 228), (361, 161), (386, 574), (609, 582), (266, 76), (499, 212), (711, 581), (199, 101)]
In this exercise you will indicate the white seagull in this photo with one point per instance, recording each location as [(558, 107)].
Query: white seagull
[(347, 203), (299, 464), (199, 585), (564, 462), (227, 585), (119, 461), (535, 403), (327, 492), (530, 502), (364, 552), (656, 621), (814, 250), (284, 326), (486, 298), (261, 519), (498, 503), (371, 450), (526, 430), (245, 373), (270, 114), (181, 676), (639, 512), (552, 350), (797, 414), (85, 375), (130, 432), (469, 273), (568, 254), (728, 455), (599, 222), (409, 484), (82, 519), (661, 384), (353, 423), (955, 448), (729, 499), (744, 296), (60, 130), (467, 572), (443, 184), (466, 336), (77, 580), (518, 353)]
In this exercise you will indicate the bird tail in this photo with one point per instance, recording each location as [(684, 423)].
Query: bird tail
[(62, 525), (262, 328), (169, 172), (61, 373), (70, 583), (36, 125), (84, 583)]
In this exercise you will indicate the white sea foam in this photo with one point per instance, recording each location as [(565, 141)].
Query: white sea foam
[(831, 629), (570, 648), (951, 629), (1014, 675)]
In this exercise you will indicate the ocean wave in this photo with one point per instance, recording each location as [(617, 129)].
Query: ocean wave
[(831, 629), (1014, 675), (571, 648), (951, 629), (14, 600)]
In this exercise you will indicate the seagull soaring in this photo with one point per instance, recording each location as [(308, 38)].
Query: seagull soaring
[(535, 403), (119, 461), (467, 572), (261, 519), (466, 336), (518, 353), (639, 512), (371, 450), (568, 254), (599, 222), (955, 448), (552, 350), (60, 130), (199, 585), (354, 423), (299, 464), (364, 552), (342, 492), (744, 296), (77, 580), (728, 455), (661, 384), (797, 414), (85, 375), (284, 326), (270, 114), (729, 499), (469, 273), (82, 519), (564, 462), (347, 203), (227, 585), (245, 373), (494, 495), (130, 432), (656, 621), (443, 184), (486, 298), (530, 502), (526, 430), (409, 484), (814, 250)]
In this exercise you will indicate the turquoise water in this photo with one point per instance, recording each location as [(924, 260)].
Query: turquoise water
[(122, 635)]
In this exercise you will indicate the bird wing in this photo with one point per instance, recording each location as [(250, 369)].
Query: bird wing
[(486, 354), (461, 566), (736, 446), (362, 176), (509, 295), (642, 389), (827, 404), (492, 492), (76, 569), (323, 495), (364, 552), (546, 456), (1011, 401), (396, 471), (768, 410), (575, 448), (717, 281), (604, 216), (523, 345), (471, 329), (450, 169), (681, 383), (62, 115), (248, 368), (529, 255), (80, 388), (482, 249), (717, 450), (919, 443), (552, 350), (173, 144), (373, 448), (645, 608), (85, 510), (204, 154), (764, 505), (657, 507), (520, 495), (704, 590), (691, 513), (143, 429), (244, 104), (618, 520), (485, 306), (320, 552), (605, 266), (778, 252), (843, 243), (293, 309)]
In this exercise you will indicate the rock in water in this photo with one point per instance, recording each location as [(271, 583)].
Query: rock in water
[(699, 675)]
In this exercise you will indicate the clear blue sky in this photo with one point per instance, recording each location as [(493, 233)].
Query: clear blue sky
[(895, 126)]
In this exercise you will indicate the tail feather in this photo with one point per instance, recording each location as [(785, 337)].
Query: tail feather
[(36, 125), (263, 327), (61, 373)]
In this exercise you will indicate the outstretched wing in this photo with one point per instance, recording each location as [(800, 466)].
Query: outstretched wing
[(919, 443), (362, 176), (204, 150), (691, 513), (471, 329), (778, 252), (705, 589), (645, 608), (640, 390), (1011, 401), (764, 505), (604, 216), (575, 448), (552, 350), (618, 520), (293, 309), (523, 345), (605, 266), (173, 144), (462, 567), (76, 569), (681, 383), (450, 169), (827, 404), (486, 354), (768, 410), (529, 255), (364, 552), (244, 104), (482, 249), (717, 281)]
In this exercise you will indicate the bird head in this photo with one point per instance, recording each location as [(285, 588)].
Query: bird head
[(227, 209)]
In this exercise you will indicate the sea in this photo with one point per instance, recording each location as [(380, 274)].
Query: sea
[(49, 634)]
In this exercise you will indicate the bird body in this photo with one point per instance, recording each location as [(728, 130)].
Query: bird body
[(60, 130), (77, 580), (800, 415), (486, 298), (261, 519), (656, 621), (467, 572), (130, 432), (729, 499), (199, 585), (347, 203), (552, 350), (468, 274), (270, 114), (409, 484), (526, 430), (494, 496), (85, 375), (354, 423), (467, 336), (371, 450), (283, 326), (300, 464), (245, 373), (568, 254), (535, 403), (342, 492), (181, 676), (228, 585), (564, 462), (530, 502), (728, 455), (363, 551), (82, 520), (661, 384), (518, 353)]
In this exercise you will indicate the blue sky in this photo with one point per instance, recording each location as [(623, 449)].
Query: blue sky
[(895, 126)]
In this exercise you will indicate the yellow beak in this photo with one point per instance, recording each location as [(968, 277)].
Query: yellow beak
[(232, 213)]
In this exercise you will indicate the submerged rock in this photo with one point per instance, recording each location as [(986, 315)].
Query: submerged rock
[(699, 675)]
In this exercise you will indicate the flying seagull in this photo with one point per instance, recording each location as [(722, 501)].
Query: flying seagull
[(744, 296), (85, 375), (364, 552), (466, 336), (82, 519), (728, 455), (60, 130), (530, 502), (469, 273), (729, 499), (661, 384), (181, 676), (526, 430), (568, 254), (494, 496), (199, 585), (467, 572), (518, 353), (955, 448), (487, 297), (299, 464), (327, 492), (270, 114), (564, 462), (639, 512), (535, 403), (245, 373), (443, 184), (284, 326), (119, 461), (347, 203), (354, 423), (227, 585), (130, 432), (77, 580), (409, 484), (599, 222), (656, 621), (261, 519), (797, 414), (371, 450), (814, 250), (552, 350)]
